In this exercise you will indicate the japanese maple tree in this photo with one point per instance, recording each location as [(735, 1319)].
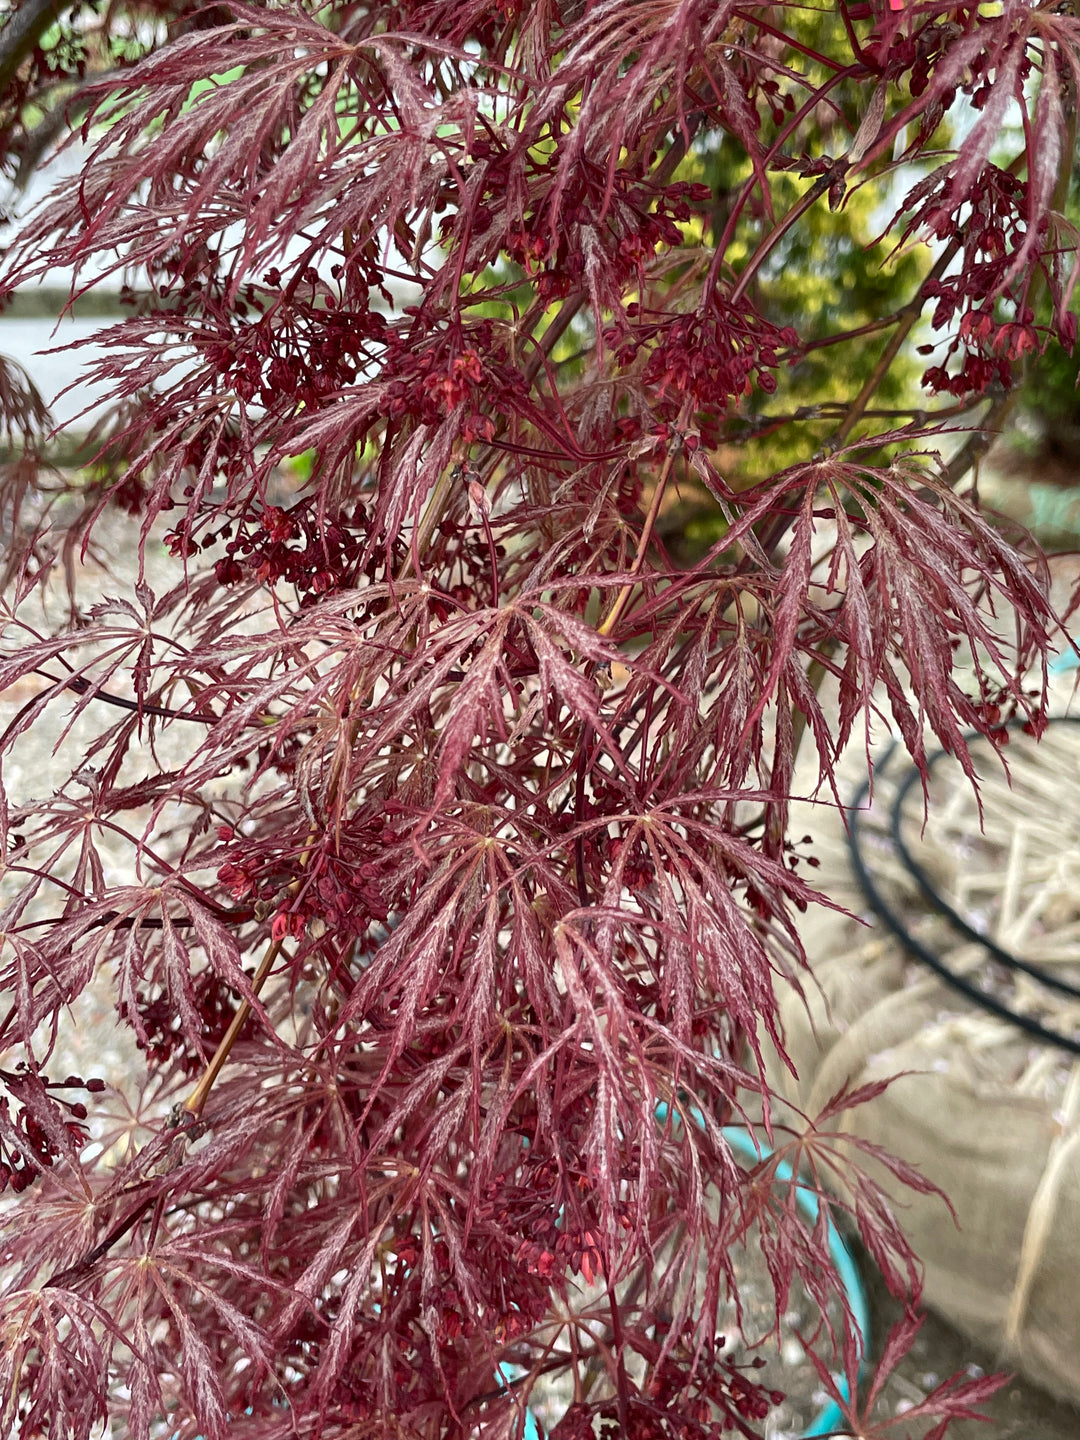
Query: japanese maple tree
[(453, 921)]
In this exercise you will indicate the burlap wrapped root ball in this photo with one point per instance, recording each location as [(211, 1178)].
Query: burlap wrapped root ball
[(986, 1114)]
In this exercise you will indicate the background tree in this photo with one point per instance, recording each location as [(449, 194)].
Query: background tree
[(453, 955)]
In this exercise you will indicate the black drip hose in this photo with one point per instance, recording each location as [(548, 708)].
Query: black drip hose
[(938, 901), (923, 953)]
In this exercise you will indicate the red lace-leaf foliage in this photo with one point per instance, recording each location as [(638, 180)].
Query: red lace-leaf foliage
[(953, 1399), (455, 804)]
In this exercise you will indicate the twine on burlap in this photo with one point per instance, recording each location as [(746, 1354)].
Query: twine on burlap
[(1043, 1211)]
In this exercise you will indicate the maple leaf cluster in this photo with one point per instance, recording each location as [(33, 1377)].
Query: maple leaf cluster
[(454, 919)]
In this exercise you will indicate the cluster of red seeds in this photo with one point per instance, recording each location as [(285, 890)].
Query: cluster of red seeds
[(286, 354), (994, 233), (343, 888), (163, 1039), (430, 375), (41, 1127), (637, 218), (315, 554), (713, 358)]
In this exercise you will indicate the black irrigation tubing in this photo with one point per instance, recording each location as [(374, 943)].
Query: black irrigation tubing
[(921, 952), (926, 885)]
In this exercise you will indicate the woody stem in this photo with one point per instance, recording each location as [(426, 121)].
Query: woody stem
[(615, 613), (198, 1097)]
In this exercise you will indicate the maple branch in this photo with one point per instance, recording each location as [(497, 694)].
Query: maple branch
[(618, 1348), (472, 1108), (195, 1102), (543, 346), (444, 486), (63, 1278), (22, 32), (871, 327), (777, 233), (81, 685), (906, 318), (546, 343), (674, 448)]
